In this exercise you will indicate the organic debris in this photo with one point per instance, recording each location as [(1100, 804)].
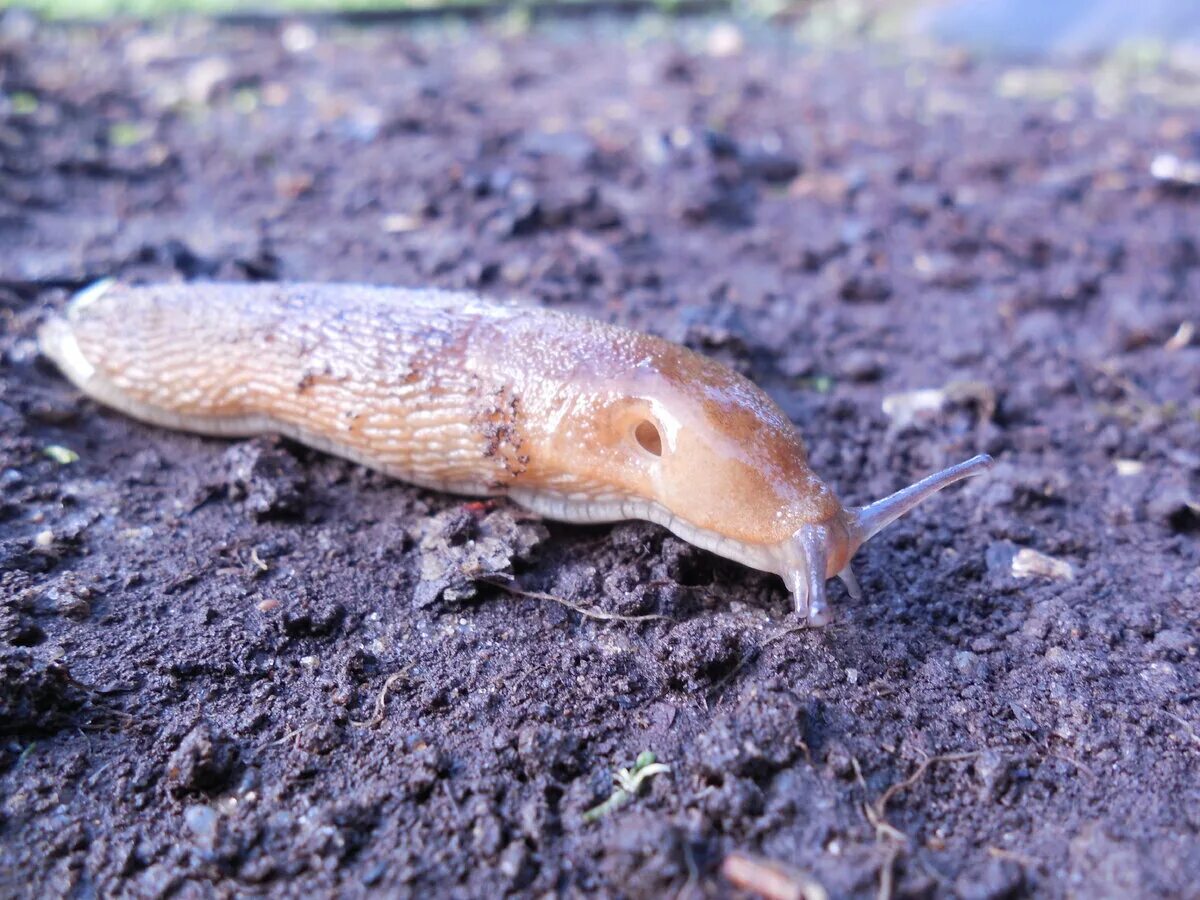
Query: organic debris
[(628, 783)]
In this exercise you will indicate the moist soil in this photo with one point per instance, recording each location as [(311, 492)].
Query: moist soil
[(243, 668)]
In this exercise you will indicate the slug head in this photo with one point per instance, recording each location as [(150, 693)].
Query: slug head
[(730, 466), (826, 549), (687, 443), (700, 449)]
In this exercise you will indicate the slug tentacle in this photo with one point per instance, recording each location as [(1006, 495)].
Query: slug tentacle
[(851, 583), (820, 551), (815, 541), (868, 521), (575, 419)]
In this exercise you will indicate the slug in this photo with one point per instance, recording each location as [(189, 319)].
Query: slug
[(571, 418)]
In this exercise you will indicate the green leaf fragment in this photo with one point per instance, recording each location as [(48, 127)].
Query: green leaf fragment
[(628, 784), (127, 134), (23, 103), (64, 456)]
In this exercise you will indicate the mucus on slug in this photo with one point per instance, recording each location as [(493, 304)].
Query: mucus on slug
[(574, 419)]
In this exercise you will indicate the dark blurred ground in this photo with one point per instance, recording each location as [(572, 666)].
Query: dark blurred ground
[(251, 669)]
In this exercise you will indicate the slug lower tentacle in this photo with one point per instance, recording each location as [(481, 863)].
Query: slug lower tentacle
[(572, 418)]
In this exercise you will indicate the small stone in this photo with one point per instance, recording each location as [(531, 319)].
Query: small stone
[(72, 604), (1129, 467), (202, 822), (203, 761), (515, 864), (1170, 170), (401, 223), (861, 365), (1029, 562), (905, 408), (994, 772)]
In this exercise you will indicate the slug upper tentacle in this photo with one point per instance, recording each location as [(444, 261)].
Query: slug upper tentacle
[(572, 418)]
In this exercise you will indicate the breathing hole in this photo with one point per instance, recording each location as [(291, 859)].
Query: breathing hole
[(648, 438)]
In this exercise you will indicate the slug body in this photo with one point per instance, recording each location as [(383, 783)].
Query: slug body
[(573, 419)]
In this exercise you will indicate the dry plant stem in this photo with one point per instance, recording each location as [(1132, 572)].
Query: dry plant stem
[(753, 654), (582, 610), (876, 814), (1022, 859), (295, 733), (381, 701), (1076, 763), (884, 798), (887, 874), (770, 879)]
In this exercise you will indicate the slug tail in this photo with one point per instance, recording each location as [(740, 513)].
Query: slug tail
[(868, 521), (56, 337), (89, 295), (56, 340)]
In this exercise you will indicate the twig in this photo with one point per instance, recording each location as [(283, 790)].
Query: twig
[(95, 776), (450, 797), (754, 653), (887, 874), (884, 798), (1076, 763), (381, 701), (283, 740), (582, 610), (1029, 862), (770, 879)]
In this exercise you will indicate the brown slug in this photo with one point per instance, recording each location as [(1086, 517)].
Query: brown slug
[(573, 419)]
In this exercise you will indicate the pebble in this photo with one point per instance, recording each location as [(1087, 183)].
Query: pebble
[(1028, 563), (860, 365), (202, 822)]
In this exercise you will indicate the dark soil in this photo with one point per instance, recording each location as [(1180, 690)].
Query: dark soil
[(248, 668)]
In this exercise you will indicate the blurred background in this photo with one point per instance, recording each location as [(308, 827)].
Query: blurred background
[(926, 229), (1064, 27)]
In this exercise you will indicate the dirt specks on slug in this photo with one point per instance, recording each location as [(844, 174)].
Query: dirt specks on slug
[(313, 377), (500, 425)]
